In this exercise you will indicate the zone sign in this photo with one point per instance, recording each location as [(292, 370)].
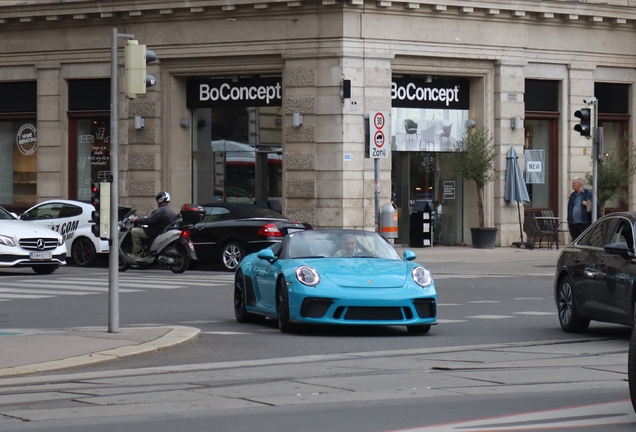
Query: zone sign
[(378, 131)]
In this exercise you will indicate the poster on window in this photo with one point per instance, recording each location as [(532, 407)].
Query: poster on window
[(535, 166)]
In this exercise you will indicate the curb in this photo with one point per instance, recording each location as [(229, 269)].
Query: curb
[(174, 336)]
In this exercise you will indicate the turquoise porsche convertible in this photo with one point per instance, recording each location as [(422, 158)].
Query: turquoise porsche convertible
[(335, 276)]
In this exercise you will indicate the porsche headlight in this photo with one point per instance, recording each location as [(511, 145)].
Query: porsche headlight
[(307, 276), (6, 240), (421, 276)]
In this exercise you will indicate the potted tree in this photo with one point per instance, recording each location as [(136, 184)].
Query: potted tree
[(615, 173), (473, 158)]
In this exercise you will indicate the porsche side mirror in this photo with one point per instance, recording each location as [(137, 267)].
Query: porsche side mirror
[(409, 255), (267, 255)]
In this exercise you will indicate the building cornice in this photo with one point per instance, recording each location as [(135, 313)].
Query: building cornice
[(36, 12)]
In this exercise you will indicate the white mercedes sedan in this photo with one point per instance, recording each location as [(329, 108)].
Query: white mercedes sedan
[(24, 244)]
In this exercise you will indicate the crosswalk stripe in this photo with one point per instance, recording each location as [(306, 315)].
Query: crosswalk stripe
[(24, 296), (41, 291), (70, 287)]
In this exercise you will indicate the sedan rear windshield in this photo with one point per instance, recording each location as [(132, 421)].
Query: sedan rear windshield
[(265, 213)]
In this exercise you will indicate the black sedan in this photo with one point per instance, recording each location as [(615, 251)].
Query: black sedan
[(596, 275), (230, 231)]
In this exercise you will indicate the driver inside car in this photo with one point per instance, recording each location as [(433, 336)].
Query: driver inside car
[(350, 248), (160, 218)]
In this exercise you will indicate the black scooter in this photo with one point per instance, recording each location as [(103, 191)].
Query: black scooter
[(172, 247)]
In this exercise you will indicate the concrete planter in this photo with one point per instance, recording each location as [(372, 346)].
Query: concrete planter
[(483, 238)]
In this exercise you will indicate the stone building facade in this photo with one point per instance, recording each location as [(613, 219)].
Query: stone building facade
[(536, 61)]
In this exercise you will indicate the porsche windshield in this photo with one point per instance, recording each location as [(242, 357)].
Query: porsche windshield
[(339, 244)]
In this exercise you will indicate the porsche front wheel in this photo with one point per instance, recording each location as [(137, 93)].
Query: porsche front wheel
[(240, 313), (418, 329), (282, 308)]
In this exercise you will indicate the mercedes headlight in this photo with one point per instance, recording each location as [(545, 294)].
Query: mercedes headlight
[(307, 276), (60, 240), (6, 240), (422, 277)]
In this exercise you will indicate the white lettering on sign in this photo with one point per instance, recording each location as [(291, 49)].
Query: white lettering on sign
[(227, 92), (27, 139), (412, 92), (534, 166)]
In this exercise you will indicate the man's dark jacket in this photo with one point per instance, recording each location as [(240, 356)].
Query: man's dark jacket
[(158, 220), (586, 217)]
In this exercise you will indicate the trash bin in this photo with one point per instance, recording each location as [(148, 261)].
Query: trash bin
[(421, 227), (389, 221)]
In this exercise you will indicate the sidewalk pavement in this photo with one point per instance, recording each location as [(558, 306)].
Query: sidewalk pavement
[(31, 351)]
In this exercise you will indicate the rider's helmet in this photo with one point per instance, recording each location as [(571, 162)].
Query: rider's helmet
[(162, 197)]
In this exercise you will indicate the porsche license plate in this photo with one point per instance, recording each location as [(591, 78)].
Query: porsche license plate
[(40, 255)]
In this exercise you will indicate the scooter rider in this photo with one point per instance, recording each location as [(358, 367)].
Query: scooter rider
[(155, 223)]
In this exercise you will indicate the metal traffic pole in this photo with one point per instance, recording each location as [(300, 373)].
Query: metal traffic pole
[(595, 156), (113, 241)]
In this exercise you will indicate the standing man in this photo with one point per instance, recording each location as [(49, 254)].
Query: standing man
[(579, 212), (160, 218)]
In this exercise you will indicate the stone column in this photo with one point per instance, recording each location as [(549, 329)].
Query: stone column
[(51, 157), (509, 103), (328, 181)]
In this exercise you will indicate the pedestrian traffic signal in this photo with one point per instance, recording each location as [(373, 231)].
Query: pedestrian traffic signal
[(100, 198), (586, 125), (95, 196), (135, 58)]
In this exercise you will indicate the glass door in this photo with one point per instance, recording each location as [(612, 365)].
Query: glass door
[(89, 154)]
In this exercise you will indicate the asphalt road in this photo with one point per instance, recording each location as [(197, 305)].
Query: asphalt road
[(474, 311)]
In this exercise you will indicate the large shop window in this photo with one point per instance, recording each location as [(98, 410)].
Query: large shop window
[(541, 145), (614, 118), (18, 144), (89, 135), (428, 117), (237, 141)]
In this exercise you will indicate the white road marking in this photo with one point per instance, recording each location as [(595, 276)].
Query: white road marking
[(492, 317), (23, 296), (449, 321), (571, 418), (534, 313), (484, 301), (226, 333)]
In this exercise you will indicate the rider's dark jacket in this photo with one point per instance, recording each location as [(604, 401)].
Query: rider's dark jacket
[(158, 220)]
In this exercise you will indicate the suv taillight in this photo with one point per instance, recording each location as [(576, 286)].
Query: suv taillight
[(270, 230)]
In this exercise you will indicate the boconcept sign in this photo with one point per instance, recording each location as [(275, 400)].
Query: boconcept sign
[(415, 92), (210, 92)]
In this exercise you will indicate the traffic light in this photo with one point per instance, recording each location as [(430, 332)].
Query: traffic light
[(586, 126), (95, 214), (100, 198), (135, 58)]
